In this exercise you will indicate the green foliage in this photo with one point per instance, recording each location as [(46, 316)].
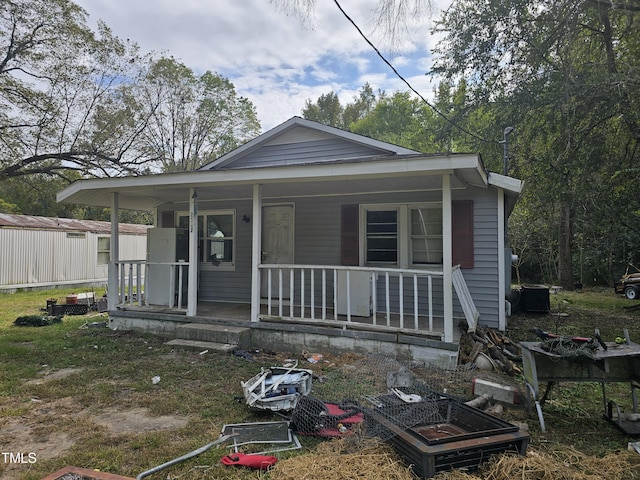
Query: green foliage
[(6, 207), (55, 73), (197, 120), (565, 75), (79, 103), (403, 120), (35, 195), (328, 110), (361, 106)]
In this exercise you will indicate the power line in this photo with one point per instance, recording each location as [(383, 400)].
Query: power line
[(433, 107)]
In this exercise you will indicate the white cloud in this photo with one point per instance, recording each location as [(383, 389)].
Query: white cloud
[(271, 57)]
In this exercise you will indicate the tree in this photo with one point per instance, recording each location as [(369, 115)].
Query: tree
[(72, 100), (76, 103), (362, 105), (54, 73), (35, 195), (401, 120), (193, 120), (567, 72), (326, 110)]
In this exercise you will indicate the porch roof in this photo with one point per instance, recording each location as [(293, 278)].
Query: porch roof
[(402, 172)]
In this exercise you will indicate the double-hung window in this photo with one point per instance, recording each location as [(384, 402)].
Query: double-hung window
[(104, 250), (382, 236), (216, 237), (426, 235), (402, 235)]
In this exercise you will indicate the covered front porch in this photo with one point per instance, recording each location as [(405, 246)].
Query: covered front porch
[(352, 247), (355, 216), (350, 298)]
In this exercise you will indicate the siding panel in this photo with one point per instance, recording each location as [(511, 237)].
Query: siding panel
[(303, 153), (318, 242), (50, 258), (230, 286)]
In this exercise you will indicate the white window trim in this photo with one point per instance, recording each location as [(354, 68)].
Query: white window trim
[(404, 232), (222, 266)]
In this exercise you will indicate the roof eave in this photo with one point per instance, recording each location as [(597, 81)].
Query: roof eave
[(396, 167), (509, 184)]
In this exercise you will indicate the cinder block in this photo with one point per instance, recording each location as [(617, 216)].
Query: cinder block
[(500, 393)]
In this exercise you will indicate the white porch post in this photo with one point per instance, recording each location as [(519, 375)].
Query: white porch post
[(502, 263), (112, 282), (447, 258), (192, 291), (256, 252)]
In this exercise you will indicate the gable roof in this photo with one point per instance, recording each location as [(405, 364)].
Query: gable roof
[(300, 141), (307, 157)]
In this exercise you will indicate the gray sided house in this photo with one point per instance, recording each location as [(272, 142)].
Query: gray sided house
[(318, 237), (45, 252)]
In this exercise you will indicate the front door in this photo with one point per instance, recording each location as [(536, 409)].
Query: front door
[(277, 246)]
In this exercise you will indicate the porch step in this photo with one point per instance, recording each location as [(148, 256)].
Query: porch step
[(202, 346), (239, 337)]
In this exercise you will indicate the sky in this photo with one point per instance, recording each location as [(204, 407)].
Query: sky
[(272, 57)]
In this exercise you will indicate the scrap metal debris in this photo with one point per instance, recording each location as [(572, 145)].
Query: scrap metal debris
[(573, 348), (277, 388), (267, 437), (399, 402), (312, 416)]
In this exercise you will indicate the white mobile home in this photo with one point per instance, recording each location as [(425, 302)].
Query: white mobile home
[(41, 252)]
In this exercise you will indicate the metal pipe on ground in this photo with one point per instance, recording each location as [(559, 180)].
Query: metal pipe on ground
[(187, 456)]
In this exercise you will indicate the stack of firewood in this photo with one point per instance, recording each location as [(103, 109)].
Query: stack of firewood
[(490, 349)]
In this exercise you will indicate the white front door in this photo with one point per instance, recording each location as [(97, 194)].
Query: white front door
[(277, 246)]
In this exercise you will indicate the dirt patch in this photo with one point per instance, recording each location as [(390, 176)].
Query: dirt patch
[(49, 375), (47, 430), (30, 438), (136, 421)]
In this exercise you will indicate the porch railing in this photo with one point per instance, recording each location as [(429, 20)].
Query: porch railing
[(394, 297), (134, 276), (409, 299)]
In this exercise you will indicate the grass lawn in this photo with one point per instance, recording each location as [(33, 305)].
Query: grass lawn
[(108, 371), (83, 396)]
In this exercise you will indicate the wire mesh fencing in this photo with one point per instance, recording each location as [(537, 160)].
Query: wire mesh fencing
[(377, 395)]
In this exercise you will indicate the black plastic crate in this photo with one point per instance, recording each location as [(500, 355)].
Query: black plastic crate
[(471, 437), (75, 309), (67, 309)]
